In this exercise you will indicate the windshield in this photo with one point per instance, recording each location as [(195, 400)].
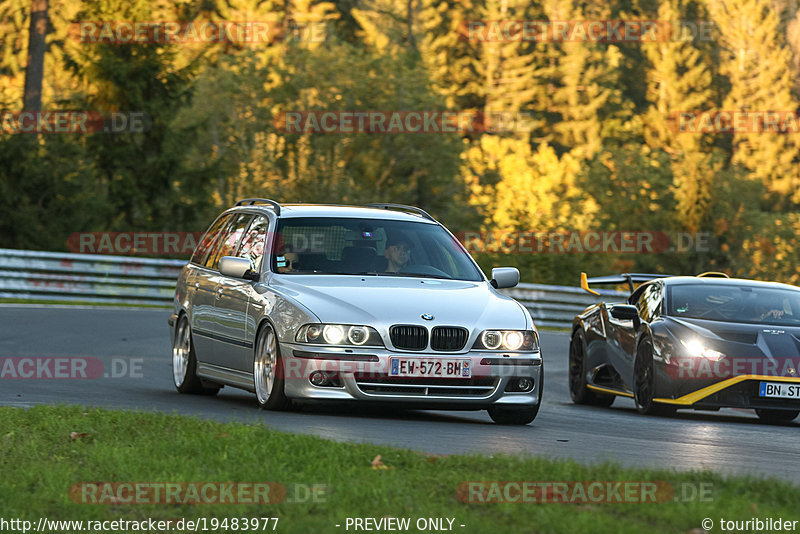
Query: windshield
[(317, 245), (740, 304)]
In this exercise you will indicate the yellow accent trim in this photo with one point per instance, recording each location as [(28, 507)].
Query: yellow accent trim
[(713, 274), (585, 285), (700, 394), (607, 390)]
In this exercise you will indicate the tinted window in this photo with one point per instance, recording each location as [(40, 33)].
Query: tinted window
[(253, 242), (208, 241), (370, 246), (229, 239), (735, 303)]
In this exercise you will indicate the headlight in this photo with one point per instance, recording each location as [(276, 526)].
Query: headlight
[(358, 335), (333, 334), (491, 339), (696, 348), (339, 334), (515, 340), (512, 340)]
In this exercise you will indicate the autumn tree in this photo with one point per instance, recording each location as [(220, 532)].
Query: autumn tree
[(757, 64), (679, 79)]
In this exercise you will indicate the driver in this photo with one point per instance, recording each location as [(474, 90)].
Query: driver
[(769, 310), (397, 253)]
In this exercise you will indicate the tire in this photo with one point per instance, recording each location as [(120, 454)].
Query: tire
[(184, 362), (578, 390), (518, 416), (644, 382), (777, 417), (268, 375)]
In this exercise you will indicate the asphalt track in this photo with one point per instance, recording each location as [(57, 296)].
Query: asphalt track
[(135, 344)]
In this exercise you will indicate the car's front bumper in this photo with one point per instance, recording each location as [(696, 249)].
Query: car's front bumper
[(363, 376), (736, 392)]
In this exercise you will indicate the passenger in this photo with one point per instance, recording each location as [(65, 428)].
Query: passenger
[(287, 262)]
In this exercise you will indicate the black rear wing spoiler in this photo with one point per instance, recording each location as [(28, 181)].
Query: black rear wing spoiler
[(629, 278)]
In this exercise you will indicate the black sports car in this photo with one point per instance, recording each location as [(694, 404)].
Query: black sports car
[(702, 342)]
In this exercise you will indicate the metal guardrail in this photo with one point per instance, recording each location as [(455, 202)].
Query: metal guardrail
[(97, 278), (556, 306), (61, 276)]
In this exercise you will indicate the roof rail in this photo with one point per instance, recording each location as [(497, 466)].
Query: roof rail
[(254, 201), (402, 207), (712, 274)]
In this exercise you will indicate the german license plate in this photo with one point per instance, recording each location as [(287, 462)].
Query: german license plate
[(436, 367), (779, 390)]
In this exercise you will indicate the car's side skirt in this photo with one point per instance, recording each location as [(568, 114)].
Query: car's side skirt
[(223, 375), (609, 391)]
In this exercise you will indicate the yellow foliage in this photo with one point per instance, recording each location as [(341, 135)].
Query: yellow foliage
[(516, 187)]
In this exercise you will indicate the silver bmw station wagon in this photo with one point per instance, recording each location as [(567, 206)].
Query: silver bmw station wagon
[(378, 304)]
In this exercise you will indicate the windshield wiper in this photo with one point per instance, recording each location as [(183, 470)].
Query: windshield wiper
[(417, 275)]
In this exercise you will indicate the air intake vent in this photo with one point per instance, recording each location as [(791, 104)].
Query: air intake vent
[(448, 338), (409, 337), (740, 337)]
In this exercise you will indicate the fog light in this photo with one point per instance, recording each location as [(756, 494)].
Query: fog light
[(524, 384), (318, 378), (325, 379), (521, 384)]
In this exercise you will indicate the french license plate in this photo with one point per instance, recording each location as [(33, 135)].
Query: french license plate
[(779, 390), (437, 367)]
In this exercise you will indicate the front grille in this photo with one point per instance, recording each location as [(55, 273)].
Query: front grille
[(448, 338), (382, 384), (409, 337)]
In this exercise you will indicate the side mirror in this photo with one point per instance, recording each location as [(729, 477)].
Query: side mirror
[(236, 268), (626, 312), (504, 277)]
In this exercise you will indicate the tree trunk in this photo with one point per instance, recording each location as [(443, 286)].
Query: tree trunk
[(34, 71)]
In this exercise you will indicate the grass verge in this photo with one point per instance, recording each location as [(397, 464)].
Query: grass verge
[(46, 450)]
